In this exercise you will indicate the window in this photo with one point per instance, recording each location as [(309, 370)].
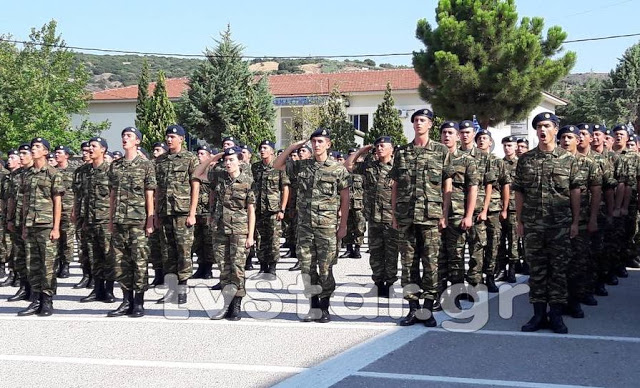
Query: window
[(360, 122)]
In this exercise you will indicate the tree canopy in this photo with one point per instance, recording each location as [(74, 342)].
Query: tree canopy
[(386, 121)]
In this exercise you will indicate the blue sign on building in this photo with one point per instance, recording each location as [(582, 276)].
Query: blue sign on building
[(304, 100)]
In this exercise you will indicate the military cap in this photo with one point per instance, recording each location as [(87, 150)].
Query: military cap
[(65, 149), (422, 112), (352, 150), (175, 130), (12, 152), (509, 139), (321, 132), (599, 128), (230, 138), (246, 147), (25, 147), (295, 151), (235, 150), (214, 151), (203, 147), (109, 153), (523, 140), (85, 144), (545, 116), (481, 132), (162, 145), (608, 132), (568, 129), (99, 140), (269, 143), (465, 124), (307, 147), (144, 152), (280, 151), (449, 124), (336, 154), (118, 154), (633, 138), (619, 127), (585, 127), (133, 130), (51, 155), (383, 139), (42, 141)]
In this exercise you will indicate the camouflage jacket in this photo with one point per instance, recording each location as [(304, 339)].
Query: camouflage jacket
[(40, 186), (268, 184), (463, 172), (319, 187), (545, 180), (16, 192), (129, 181), (174, 173), (590, 176), (232, 198), (510, 166), (96, 203), (80, 189), (68, 175), (503, 178), (487, 177), (377, 190), (4, 177), (417, 172), (356, 192), (632, 162)]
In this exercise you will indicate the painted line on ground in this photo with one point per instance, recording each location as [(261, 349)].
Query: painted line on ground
[(562, 336)]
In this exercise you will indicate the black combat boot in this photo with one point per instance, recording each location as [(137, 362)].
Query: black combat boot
[(525, 268), (3, 272), (64, 270), (208, 274), (182, 292), (264, 267), (16, 280), (634, 263), (199, 274), (501, 274), (34, 307), (108, 296), (158, 278), (314, 311), (97, 294), (248, 264), (511, 273), (234, 309), (170, 297), (437, 304), (389, 290), (22, 293), (555, 319), (271, 270), (574, 309), (138, 305), (91, 283), (601, 290), (291, 254), (411, 318), (125, 307), (539, 319), (589, 300), (84, 280), (324, 311), (348, 252), (228, 302), (518, 266), (431, 321), (382, 290), (216, 287), (9, 280), (612, 279), (46, 305), (355, 254), (621, 271), (491, 284), (296, 266)]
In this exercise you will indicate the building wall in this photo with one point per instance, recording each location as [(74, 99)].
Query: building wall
[(121, 114)]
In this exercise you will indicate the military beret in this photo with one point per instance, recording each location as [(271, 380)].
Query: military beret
[(619, 127), (352, 150), (233, 151), (523, 140), (203, 147), (162, 145), (608, 132), (99, 140), (246, 147), (24, 147), (295, 151), (214, 151), (568, 129), (509, 139), (133, 130), (633, 138), (268, 143), (65, 149), (85, 144), (109, 153), (383, 139), (229, 138), (465, 124), (585, 127), (280, 151), (336, 154), (118, 154), (321, 132), (599, 128), (144, 152), (51, 155), (449, 124), (481, 132), (12, 152), (175, 130), (42, 141), (422, 112), (545, 116)]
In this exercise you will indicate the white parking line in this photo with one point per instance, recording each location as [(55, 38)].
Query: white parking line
[(563, 336), (462, 380)]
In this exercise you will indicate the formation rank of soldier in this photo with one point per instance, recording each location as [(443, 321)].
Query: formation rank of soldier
[(557, 213)]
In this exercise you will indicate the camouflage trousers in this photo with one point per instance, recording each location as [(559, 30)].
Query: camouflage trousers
[(7, 246), (508, 248), (356, 227), (316, 249), (598, 252), (580, 279), (451, 263), (203, 241), (614, 242), (268, 228), (100, 251), (290, 222), (632, 237), (41, 261), (419, 244), (131, 256), (383, 246), (493, 241), (477, 241), (66, 242), (548, 254), (83, 247), (178, 239), (157, 249), (230, 252), (19, 254)]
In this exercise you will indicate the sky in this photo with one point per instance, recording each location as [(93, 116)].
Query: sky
[(301, 28)]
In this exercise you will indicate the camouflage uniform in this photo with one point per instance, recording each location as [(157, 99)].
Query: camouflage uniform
[(16, 192), (66, 243), (129, 181), (498, 169), (418, 175), (631, 220), (508, 247), (5, 183), (96, 220), (318, 202), (290, 222), (80, 192), (202, 231), (41, 185), (383, 238), (232, 197), (157, 249), (615, 235), (268, 184), (356, 224), (4, 248), (545, 180), (173, 197)]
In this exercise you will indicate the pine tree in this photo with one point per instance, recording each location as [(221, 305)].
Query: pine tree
[(621, 90), (586, 105), (334, 117), (386, 121), (142, 104), (160, 113), (252, 128), (480, 61)]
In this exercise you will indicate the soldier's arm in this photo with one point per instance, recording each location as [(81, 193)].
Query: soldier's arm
[(344, 210), (472, 197), (447, 186), (487, 200), (394, 197), (505, 196), (519, 205), (149, 205), (284, 198), (349, 163), (193, 206), (281, 161), (251, 215), (112, 208), (57, 214), (202, 169), (594, 205), (575, 211)]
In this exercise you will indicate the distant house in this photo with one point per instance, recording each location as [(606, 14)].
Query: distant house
[(363, 91)]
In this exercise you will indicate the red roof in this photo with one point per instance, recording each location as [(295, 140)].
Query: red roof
[(296, 84)]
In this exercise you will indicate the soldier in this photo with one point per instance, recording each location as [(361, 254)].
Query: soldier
[(420, 202), (13, 163), (507, 250), (4, 249), (176, 202), (383, 238), (547, 188), (631, 219), (522, 146), (323, 191), (15, 220), (66, 243), (78, 216), (498, 207), (235, 219), (132, 180), (203, 232), (357, 225), (51, 159), (247, 153), (291, 216), (97, 207), (608, 140), (271, 189), (42, 207), (157, 249), (117, 155)]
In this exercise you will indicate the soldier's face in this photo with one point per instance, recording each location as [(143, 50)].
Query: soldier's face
[(569, 142), (598, 139), (202, 154), (38, 151), (621, 139), (129, 141), (585, 139), (246, 155), (52, 162), (608, 141), (384, 150), (632, 146), (158, 151), (484, 142), (266, 152), (546, 131), (449, 137), (231, 163), (96, 151), (466, 136), (228, 144), (522, 148), (295, 156), (509, 148), (61, 156), (25, 157), (304, 153), (174, 142), (13, 162), (86, 154), (422, 125), (320, 145)]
